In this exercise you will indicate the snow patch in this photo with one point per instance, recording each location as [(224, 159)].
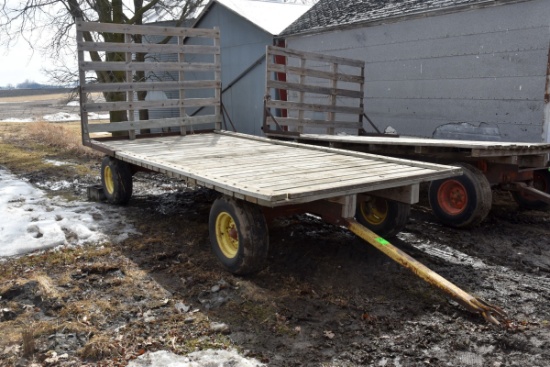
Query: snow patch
[(17, 120), (31, 221), (56, 185), (98, 116), (210, 357), (61, 116), (53, 162)]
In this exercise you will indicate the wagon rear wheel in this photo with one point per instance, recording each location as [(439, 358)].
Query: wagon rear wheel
[(238, 235), (116, 179), (384, 217), (541, 181), (462, 201)]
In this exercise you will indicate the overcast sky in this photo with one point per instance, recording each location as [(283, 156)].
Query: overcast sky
[(19, 64)]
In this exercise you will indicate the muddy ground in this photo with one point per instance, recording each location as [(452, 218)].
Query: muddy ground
[(325, 299)]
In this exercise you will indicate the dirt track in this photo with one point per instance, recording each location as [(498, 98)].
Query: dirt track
[(326, 298)]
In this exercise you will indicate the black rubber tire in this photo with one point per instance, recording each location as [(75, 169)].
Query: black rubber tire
[(476, 191), (541, 181), (393, 218), (252, 238), (116, 180)]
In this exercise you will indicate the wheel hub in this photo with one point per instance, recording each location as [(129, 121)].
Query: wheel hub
[(108, 179), (374, 211), (452, 197), (227, 235)]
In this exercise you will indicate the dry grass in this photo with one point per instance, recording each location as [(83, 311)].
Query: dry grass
[(20, 160), (25, 146), (62, 137), (100, 347), (47, 286)]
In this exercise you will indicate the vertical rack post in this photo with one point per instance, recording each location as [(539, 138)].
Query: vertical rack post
[(301, 93), (129, 79), (362, 100), (218, 76), (334, 85), (181, 78), (82, 85)]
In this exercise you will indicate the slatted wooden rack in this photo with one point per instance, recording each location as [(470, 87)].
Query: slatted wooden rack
[(196, 75), (307, 90)]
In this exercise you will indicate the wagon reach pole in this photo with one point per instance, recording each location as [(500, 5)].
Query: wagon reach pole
[(473, 304)]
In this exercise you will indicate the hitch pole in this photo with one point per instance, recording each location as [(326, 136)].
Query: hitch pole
[(471, 303)]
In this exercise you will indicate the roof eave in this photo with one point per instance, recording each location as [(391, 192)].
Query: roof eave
[(396, 18)]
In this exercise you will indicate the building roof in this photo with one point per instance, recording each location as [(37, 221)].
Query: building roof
[(271, 16), (327, 14)]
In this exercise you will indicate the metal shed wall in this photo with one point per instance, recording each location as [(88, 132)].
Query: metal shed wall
[(476, 74), (242, 44), (159, 113)]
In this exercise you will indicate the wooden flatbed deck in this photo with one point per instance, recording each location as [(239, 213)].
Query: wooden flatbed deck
[(272, 173)]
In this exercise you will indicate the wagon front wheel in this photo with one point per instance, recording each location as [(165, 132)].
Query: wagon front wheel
[(116, 180), (238, 235), (382, 216), (462, 201)]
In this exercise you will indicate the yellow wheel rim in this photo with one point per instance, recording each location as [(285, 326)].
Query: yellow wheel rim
[(374, 211), (108, 179), (227, 235)]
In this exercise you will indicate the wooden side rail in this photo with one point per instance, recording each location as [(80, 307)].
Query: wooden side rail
[(309, 90), (122, 65)]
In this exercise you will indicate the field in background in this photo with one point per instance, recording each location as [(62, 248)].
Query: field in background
[(6, 93), (35, 105), (35, 97)]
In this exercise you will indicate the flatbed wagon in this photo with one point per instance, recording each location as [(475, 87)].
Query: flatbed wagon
[(463, 201), (257, 178)]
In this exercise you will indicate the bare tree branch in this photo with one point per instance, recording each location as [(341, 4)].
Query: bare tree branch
[(47, 26)]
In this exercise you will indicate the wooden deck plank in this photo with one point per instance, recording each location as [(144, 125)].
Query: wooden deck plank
[(344, 175), (251, 171), (284, 179), (251, 163), (307, 174), (213, 157), (352, 186)]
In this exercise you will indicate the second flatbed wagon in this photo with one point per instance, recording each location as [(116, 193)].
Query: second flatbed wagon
[(297, 104)]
